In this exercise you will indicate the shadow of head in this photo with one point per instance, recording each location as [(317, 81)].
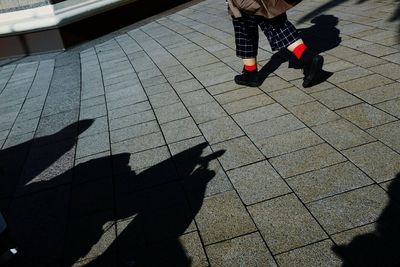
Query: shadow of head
[(191, 160), (325, 21)]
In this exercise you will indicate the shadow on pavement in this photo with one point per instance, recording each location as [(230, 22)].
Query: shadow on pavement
[(334, 3), (321, 37), (381, 247), (102, 207)]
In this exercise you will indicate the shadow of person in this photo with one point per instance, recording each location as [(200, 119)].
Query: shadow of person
[(153, 209), (321, 37), (149, 210), (381, 247), (22, 163)]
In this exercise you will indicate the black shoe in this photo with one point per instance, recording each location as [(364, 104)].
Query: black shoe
[(312, 66), (248, 78)]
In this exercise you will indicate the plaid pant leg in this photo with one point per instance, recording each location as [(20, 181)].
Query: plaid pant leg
[(280, 32), (246, 36)]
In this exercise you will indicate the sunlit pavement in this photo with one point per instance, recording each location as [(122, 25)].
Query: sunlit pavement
[(138, 149)]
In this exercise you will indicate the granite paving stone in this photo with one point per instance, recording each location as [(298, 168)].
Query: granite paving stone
[(364, 83), (130, 120), (129, 110), (148, 158), (26, 126), (159, 88), (248, 103), (342, 134), (365, 116), (201, 169), (51, 124), (275, 126), (135, 92), (314, 113), (180, 77), (206, 112), (257, 182), (248, 250), (377, 160), (328, 181), (388, 134), (92, 145), (288, 74), (134, 131), (99, 125), (179, 130), (93, 112), (345, 237), (306, 160), (213, 74), (153, 81), (259, 114), (238, 152), (318, 254), (193, 246), (365, 60), (223, 87), (220, 130), (349, 74), (138, 144), (274, 83), (223, 217), (291, 97), (288, 142), (236, 95), (274, 219), (351, 209), (163, 99), (392, 107), (196, 98), (187, 86), (336, 98), (171, 112), (380, 94)]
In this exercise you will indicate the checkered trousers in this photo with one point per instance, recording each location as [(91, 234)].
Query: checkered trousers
[(279, 31)]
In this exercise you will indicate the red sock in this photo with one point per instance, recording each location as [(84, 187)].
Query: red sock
[(250, 67), (299, 50)]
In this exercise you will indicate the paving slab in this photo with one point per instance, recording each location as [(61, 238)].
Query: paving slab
[(349, 210), (248, 250), (318, 254), (328, 181), (257, 182), (306, 160), (274, 218), (216, 222), (375, 159), (365, 116), (188, 168)]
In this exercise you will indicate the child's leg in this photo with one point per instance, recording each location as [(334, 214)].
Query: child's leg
[(246, 40), (282, 34)]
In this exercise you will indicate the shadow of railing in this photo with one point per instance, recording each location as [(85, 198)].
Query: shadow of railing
[(136, 219), (381, 247)]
